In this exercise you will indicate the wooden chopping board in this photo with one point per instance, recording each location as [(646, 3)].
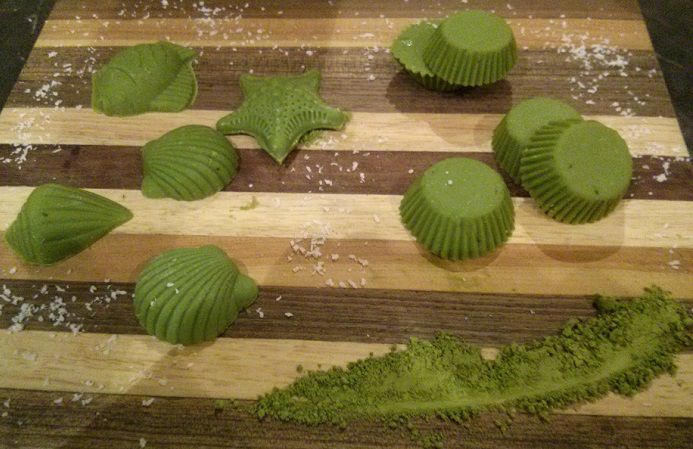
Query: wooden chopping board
[(84, 374)]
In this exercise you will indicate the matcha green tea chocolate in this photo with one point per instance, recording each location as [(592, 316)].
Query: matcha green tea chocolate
[(58, 221), (512, 135), (191, 295), (621, 350), (458, 209), (577, 171), (146, 77), (188, 163), (408, 50), (471, 48), (279, 110)]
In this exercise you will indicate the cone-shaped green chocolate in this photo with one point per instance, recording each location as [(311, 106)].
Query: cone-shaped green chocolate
[(143, 78), (577, 171), (408, 50), (279, 110), (458, 209), (190, 295), (512, 134), (471, 48), (58, 221), (189, 163)]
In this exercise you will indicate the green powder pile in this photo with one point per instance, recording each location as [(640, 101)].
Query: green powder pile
[(628, 344)]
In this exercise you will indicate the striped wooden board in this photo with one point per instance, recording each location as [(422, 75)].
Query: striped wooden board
[(82, 373)]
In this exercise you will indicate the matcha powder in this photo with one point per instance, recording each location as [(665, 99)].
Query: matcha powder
[(621, 350)]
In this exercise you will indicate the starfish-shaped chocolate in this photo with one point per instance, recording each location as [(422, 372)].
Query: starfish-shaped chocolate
[(278, 110)]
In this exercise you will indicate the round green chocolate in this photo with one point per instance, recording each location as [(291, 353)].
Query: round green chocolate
[(577, 171), (513, 133), (477, 31), (408, 50), (458, 209), (471, 48)]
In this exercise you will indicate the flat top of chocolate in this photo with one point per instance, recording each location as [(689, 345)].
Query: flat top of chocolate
[(409, 46), (477, 31), (462, 187), (593, 160), (525, 118)]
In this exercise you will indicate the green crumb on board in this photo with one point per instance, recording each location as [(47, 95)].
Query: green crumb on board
[(299, 368), (251, 205), (220, 404), (621, 350), (311, 137)]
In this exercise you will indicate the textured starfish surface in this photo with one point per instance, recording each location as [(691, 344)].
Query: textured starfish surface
[(279, 110)]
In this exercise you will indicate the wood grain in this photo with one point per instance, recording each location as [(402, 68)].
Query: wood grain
[(133, 364), (337, 32), (119, 421), (554, 270), (115, 9), (361, 315), (634, 223), (385, 172), (365, 132), (367, 80), (528, 289)]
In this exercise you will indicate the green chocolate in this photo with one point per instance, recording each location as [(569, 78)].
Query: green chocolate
[(577, 171), (147, 77), (279, 110), (57, 222), (458, 209), (190, 295), (408, 50), (621, 350), (471, 48), (188, 163), (512, 134)]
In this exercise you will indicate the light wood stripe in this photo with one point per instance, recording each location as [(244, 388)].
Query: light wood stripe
[(392, 265), (111, 9), (237, 368), (365, 132), (351, 32), (635, 223)]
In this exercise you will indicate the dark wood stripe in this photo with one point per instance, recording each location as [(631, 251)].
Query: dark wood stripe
[(346, 84), (364, 315), (112, 421), (386, 172), (111, 9)]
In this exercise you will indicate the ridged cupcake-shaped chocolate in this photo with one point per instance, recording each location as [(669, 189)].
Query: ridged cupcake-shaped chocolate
[(408, 50), (577, 171), (471, 48), (512, 134), (459, 208)]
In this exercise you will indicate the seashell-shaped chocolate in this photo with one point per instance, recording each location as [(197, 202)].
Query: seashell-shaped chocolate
[(58, 221), (190, 295), (143, 78), (189, 163)]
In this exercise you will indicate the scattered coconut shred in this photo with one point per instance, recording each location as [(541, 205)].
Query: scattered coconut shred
[(54, 304), (307, 253)]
